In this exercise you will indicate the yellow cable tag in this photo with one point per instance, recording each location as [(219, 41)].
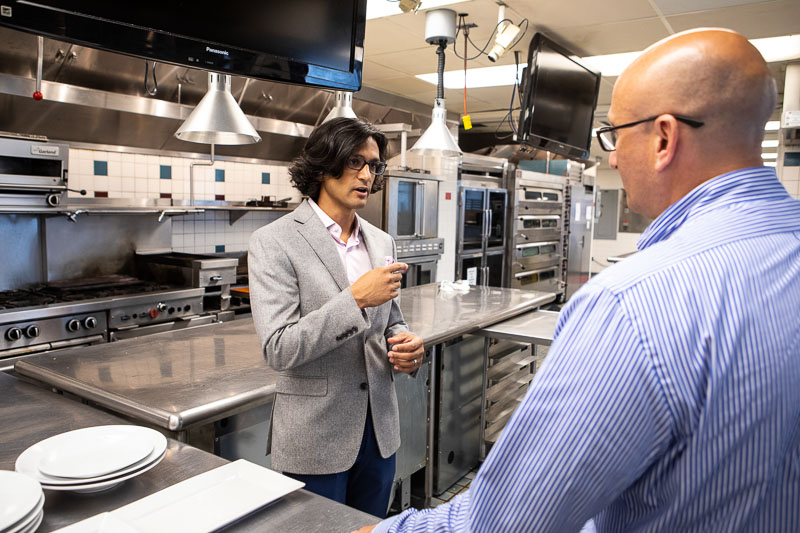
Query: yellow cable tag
[(467, 122)]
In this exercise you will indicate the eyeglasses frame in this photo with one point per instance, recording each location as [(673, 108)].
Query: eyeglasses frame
[(366, 164), (608, 129)]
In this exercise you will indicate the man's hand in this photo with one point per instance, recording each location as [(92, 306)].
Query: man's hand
[(407, 352), (365, 529), (378, 286)]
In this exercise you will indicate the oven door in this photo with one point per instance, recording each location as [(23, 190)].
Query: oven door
[(406, 201), (421, 271)]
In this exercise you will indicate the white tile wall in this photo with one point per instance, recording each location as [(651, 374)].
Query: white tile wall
[(138, 176), (133, 175), (204, 232)]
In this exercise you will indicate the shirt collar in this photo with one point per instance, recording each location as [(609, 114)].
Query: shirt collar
[(739, 185), (335, 229)]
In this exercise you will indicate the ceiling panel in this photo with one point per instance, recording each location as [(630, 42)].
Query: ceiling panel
[(672, 7), (753, 21), (396, 49), (374, 72), (558, 13), (613, 38)]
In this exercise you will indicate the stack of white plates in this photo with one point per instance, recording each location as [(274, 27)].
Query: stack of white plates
[(92, 459), (22, 502)]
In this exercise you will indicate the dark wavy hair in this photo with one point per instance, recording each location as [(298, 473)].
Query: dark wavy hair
[(327, 150)]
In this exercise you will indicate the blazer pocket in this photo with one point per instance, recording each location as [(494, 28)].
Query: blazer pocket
[(302, 385)]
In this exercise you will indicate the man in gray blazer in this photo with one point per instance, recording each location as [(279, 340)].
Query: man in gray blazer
[(322, 288)]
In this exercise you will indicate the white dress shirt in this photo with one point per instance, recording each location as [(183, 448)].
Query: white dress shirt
[(355, 257)]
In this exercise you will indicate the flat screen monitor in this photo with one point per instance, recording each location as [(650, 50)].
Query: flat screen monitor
[(558, 102), (309, 42)]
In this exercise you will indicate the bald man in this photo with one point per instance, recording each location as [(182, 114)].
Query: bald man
[(670, 398)]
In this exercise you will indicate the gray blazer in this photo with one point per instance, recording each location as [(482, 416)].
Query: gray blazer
[(331, 356)]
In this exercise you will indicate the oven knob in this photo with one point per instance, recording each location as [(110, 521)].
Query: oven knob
[(32, 332), (161, 306), (73, 325), (90, 322), (14, 334)]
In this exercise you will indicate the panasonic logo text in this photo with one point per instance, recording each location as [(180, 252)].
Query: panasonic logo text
[(215, 51)]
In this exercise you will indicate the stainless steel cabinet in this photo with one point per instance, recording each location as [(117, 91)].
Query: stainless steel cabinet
[(458, 411), (481, 235)]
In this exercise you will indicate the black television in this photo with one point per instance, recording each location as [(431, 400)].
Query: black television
[(309, 42), (559, 96)]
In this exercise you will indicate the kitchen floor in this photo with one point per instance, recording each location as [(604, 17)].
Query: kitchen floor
[(460, 486)]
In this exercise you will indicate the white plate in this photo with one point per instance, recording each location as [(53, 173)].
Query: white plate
[(94, 451), (200, 504), (35, 524), (29, 519), (19, 494), (28, 464), (107, 484)]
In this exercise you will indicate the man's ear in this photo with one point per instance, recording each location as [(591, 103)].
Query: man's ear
[(665, 141)]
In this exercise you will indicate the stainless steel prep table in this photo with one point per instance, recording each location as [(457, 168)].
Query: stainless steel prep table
[(30, 414), (186, 379), (535, 328)]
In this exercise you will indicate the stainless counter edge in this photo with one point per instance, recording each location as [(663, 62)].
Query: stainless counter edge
[(511, 312)]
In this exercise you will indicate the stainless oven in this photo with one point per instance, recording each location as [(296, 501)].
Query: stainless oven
[(33, 172), (411, 206)]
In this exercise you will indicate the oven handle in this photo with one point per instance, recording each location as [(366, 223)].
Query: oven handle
[(521, 275), (33, 186), (539, 217), (77, 342), (532, 244)]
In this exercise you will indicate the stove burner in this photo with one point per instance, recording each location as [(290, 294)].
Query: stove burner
[(76, 290)]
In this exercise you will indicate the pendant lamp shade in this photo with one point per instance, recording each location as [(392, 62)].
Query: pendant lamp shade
[(437, 139), (343, 106), (218, 119)]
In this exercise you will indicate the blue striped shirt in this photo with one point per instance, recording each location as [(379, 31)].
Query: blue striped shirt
[(670, 398)]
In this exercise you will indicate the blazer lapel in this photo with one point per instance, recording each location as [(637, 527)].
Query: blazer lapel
[(320, 240)]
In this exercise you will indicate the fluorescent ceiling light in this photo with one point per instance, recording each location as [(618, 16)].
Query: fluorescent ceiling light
[(784, 48), (769, 156), (476, 77), (769, 144), (770, 164), (773, 125), (383, 8)]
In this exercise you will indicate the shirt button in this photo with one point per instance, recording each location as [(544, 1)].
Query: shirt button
[(363, 386)]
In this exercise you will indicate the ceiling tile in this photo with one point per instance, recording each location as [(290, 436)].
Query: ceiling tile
[(673, 7), (417, 61), (753, 21), (376, 72), (557, 13), (383, 35), (612, 38)]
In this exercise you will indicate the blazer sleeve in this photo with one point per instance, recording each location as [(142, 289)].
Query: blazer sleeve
[(287, 339)]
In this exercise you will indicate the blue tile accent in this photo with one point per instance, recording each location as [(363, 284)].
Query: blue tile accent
[(101, 168), (265, 178), (219, 248), (219, 174), (166, 172)]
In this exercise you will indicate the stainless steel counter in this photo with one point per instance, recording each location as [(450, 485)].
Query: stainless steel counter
[(30, 414), (537, 327), (172, 380), (437, 316), (180, 379)]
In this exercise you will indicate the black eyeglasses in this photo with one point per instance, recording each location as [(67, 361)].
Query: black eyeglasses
[(607, 136), (357, 162)]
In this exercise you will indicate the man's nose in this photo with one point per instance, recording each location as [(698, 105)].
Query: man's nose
[(612, 159), (365, 174)]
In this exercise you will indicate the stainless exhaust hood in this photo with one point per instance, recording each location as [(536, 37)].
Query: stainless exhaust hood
[(97, 97)]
